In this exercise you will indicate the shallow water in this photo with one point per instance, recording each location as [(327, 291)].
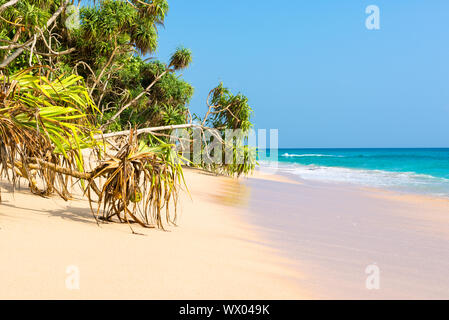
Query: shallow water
[(423, 171)]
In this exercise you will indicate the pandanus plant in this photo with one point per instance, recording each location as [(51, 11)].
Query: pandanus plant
[(141, 181), (43, 120), (180, 60), (45, 124)]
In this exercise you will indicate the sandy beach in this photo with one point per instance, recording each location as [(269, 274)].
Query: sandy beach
[(214, 253), (336, 231), (264, 237)]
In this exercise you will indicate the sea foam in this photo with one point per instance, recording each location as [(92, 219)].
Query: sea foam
[(399, 181), (311, 155)]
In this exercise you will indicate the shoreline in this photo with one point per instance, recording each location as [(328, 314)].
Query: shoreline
[(419, 174), (287, 177)]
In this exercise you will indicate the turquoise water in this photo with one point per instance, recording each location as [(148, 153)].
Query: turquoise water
[(411, 170)]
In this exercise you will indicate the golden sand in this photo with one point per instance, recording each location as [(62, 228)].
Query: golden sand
[(48, 247)]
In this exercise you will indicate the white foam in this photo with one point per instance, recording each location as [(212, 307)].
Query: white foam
[(311, 155), (403, 181)]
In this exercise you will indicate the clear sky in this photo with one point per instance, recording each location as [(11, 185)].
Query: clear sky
[(314, 71)]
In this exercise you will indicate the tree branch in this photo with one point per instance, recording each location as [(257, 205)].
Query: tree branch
[(3, 7), (19, 51), (98, 79), (149, 130), (140, 95)]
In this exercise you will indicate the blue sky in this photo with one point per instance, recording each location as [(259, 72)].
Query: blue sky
[(312, 70)]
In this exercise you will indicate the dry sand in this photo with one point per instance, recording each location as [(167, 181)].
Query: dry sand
[(213, 254)]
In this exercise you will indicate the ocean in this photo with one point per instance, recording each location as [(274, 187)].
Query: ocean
[(423, 171)]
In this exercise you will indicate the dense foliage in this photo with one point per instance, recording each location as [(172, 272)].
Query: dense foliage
[(69, 74), (107, 50)]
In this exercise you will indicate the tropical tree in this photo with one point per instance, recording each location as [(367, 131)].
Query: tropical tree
[(107, 47), (43, 120), (179, 60), (66, 88), (44, 125)]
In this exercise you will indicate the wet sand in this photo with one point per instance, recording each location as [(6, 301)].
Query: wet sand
[(334, 232)]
